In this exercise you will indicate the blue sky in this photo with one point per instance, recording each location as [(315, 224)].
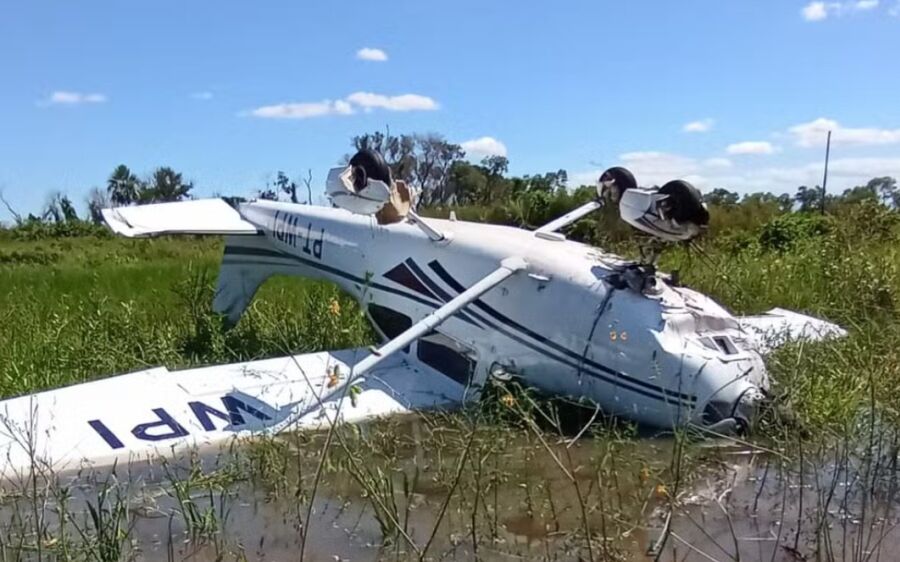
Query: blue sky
[(731, 94)]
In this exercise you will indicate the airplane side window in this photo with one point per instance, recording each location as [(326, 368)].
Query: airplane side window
[(390, 322), (438, 352)]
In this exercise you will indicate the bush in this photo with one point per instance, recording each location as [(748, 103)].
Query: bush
[(36, 229), (785, 231)]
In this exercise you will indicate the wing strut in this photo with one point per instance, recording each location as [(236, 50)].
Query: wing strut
[(508, 267), (548, 231)]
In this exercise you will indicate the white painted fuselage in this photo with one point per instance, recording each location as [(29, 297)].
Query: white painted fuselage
[(572, 324)]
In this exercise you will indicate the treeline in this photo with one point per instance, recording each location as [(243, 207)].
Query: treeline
[(481, 191), (60, 218)]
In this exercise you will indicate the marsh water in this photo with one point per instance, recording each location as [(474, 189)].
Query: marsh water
[(425, 488)]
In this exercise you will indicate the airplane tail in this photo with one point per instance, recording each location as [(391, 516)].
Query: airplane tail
[(247, 262), (248, 259)]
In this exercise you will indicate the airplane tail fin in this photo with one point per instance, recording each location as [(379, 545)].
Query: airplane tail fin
[(201, 216), (247, 262)]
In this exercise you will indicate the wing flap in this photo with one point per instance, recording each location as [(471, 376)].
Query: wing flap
[(157, 412), (201, 216)]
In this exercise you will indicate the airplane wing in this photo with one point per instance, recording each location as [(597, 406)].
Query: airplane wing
[(778, 326), (153, 412), (156, 412), (201, 216)]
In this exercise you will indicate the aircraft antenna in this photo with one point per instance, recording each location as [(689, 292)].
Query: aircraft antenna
[(825, 178)]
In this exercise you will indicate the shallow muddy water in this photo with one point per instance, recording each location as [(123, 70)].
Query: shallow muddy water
[(504, 494)]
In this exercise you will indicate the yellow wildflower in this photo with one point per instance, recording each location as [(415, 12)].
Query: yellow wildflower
[(661, 491), (334, 307)]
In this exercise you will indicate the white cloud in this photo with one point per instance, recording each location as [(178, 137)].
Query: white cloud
[(484, 146), (717, 163), (700, 126), (657, 168), (818, 11), (815, 11), (405, 102), (62, 97), (341, 107), (202, 96), (815, 133), (865, 167), (347, 106), (303, 110), (370, 54), (750, 147)]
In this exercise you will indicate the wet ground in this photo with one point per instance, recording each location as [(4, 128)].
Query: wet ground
[(504, 494)]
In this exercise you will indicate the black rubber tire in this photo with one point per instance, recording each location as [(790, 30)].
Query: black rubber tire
[(622, 180), (686, 202), (623, 177), (369, 164)]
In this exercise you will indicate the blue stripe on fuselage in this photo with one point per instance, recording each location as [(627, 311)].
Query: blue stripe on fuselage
[(619, 378)]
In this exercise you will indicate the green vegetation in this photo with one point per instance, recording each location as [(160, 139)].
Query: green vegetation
[(74, 309)]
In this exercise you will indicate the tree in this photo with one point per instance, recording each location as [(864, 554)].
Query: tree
[(268, 194), (548, 182), (432, 160), (165, 185), (59, 209), (398, 152), (286, 186), (809, 199), (97, 200), (123, 187), (886, 188), (421, 160), (496, 186), (467, 183), (784, 201), (860, 193), (307, 181), (721, 197), (495, 165), (16, 216)]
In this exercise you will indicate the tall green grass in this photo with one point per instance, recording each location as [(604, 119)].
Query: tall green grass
[(108, 306)]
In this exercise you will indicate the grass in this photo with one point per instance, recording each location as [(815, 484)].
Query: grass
[(119, 305), (465, 485)]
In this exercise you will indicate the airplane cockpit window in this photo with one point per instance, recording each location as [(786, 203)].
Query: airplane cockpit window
[(447, 356), (389, 322), (722, 344)]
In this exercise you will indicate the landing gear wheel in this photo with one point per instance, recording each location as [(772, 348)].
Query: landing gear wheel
[(368, 164), (685, 203), (614, 182)]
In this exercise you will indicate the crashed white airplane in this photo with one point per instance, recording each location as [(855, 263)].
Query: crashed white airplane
[(455, 303)]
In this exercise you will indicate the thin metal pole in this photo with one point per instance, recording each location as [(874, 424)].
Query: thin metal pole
[(825, 179)]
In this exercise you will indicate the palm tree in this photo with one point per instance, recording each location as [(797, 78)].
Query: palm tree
[(123, 186)]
